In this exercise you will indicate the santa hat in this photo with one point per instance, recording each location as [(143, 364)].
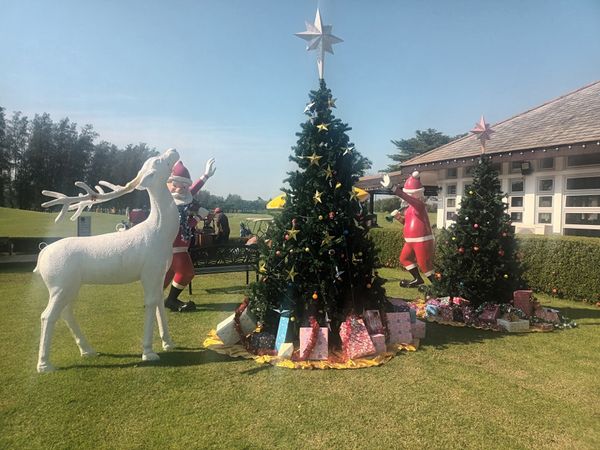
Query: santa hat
[(413, 184), (180, 174)]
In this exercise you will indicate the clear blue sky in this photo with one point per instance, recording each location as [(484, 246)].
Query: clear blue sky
[(229, 79)]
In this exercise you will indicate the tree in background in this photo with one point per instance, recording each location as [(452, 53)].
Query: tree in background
[(318, 259), (477, 256), (423, 142), (4, 162)]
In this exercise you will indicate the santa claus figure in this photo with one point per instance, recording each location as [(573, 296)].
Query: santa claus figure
[(181, 272), (419, 246)]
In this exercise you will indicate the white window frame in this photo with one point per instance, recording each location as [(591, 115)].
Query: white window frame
[(539, 194), (577, 209)]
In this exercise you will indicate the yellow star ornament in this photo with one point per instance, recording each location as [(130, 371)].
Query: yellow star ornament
[(262, 268), (328, 172), (323, 127), (327, 240), (292, 273), (353, 195), (292, 234), (314, 159), (317, 197)]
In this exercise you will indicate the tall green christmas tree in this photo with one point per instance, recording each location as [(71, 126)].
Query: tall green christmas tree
[(317, 259), (477, 256)]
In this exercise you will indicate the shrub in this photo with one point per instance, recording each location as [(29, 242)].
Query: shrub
[(563, 266)]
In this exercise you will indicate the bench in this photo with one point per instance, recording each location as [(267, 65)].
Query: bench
[(19, 250), (225, 258)]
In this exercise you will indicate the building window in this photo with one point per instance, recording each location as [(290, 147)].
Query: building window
[(451, 215), (545, 201), (451, 189), (517, 185), (583, 183), (451, 203), (515, 166), (469, 171), (546, 164), (516, 216), (516, 202), (591, 159), (583, 201), (451, 172), (544, 217), (546, 185), (582, 219)]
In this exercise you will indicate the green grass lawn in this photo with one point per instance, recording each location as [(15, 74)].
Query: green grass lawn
[(464, 388)]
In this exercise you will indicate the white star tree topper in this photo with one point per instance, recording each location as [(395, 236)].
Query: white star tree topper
[(319, 37)]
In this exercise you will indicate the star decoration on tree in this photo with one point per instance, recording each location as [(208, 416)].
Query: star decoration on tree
[(328, 172), (262, 268), (353, 195), (319, 37), (327, 239), (292, 234), (317, 197), (309, 107), (314, 159), (338, 185), (348, 150), (331, 102), (292, 273), (483, 132), (323, 127)]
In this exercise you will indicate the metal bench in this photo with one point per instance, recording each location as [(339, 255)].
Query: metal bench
[(225, 258)]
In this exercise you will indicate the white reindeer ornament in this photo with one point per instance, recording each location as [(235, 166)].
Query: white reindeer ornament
[(143, 253)]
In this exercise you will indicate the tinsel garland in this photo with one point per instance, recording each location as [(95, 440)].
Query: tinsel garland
[(312, 341)]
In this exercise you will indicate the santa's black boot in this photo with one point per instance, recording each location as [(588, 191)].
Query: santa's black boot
[(176, 305), (416, 281)]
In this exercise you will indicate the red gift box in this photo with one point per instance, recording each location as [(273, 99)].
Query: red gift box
[(490, 314), (356, 341), (524, 301)]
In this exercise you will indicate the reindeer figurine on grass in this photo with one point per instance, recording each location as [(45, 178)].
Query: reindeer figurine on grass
[(143, 253)]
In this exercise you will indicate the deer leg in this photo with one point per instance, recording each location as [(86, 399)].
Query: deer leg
[(59, 298), (163, 327), (84, 347), (152, 297)]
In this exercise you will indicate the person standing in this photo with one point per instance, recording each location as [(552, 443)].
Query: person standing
[(222, 224), (181, 272)]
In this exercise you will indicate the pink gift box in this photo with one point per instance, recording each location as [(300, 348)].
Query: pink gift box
[(356, 341), (418, 329), (321, 350), (373, 321), (379, 343), (401, 327), (446, 313), (401, 338), (398, 317)]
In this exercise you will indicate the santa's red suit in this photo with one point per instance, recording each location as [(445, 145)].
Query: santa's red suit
[(181, 272), (419, 244)]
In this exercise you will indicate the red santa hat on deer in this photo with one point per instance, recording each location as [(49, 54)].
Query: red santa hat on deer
[(180, 174), (413, 184)]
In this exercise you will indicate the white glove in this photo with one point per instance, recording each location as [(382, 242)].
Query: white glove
[(210, 169), (386, 181)]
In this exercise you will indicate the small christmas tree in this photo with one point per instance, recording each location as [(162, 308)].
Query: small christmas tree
[(477, 256), (317, 259)]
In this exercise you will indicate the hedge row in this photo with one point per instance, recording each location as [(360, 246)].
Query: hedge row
[(558, 265)]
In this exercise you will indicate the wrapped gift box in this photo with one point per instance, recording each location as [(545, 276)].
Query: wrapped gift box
[(373, 321), (548, 314), (404, 337), (283, 330), (398, 317), (286, 350), (518, 326), (524, 301), (356, 341), (379, 343), (446, 313), (418, 329), (399, 304), (226, 329), (490, 314), (321, 350)]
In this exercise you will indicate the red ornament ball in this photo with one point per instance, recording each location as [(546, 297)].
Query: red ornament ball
[(504, 234), (369, 286), (331, 215), (554, 291), (475, 225), (286, 237), (438, 276), (476, 249), (461, 250), (501, 252)]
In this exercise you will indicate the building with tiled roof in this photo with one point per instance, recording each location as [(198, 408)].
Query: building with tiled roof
[(548, 160)]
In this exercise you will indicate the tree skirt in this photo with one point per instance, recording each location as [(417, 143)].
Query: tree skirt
[(335, 361)]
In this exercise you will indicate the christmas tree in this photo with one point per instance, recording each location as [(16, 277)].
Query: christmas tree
[(477, 255), (317, 260)]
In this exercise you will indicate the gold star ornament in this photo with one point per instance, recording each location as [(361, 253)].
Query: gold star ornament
[(328, 172), (314, 159), (317, 197), (292, 273), (292, 234), (323, 127)]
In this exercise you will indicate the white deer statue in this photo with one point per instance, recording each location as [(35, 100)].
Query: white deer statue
[(143, 253)]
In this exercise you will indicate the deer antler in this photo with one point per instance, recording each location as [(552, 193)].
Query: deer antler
[(90, 198)]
